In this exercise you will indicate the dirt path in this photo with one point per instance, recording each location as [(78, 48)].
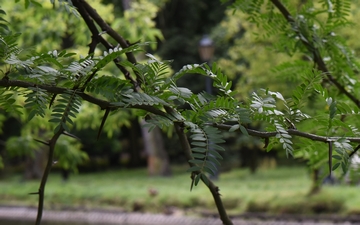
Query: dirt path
[(98, 217)]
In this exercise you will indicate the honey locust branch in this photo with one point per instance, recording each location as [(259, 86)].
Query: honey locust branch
[(179, 128), (314, 137), (46, 173), (89, 11), (96, 38), (99, 102)]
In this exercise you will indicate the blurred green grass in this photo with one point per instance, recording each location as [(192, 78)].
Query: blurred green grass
[(280, 190)]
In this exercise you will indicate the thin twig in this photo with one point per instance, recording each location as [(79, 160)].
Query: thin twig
[(96, 37), (264, 134), (112, 33)]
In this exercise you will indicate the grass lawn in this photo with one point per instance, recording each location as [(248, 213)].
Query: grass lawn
[(281, 190)]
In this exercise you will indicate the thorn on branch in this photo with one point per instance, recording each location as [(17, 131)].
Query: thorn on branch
[(130, 44), (71, 135), (6, 77), (266, 142), (217, 189), (52, 100), (192, 180), (355, 150), (34, 193), (42, 142), (107, 111)]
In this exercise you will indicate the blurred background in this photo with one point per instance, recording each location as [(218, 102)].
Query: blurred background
[(132, 169)]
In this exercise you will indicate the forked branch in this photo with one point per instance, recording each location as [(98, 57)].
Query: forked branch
[(179, 128)]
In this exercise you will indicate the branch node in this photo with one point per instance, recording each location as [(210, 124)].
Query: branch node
[(217, 189), (102, 32), (266, 142)]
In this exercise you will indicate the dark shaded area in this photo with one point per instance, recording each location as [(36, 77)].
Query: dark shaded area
[(183, 23), (11, 127)]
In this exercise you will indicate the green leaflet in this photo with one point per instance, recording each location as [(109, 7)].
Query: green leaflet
[(265, 109), (67, 107), (36, 102), (135, 98), (111, 54), (8, 101), (109, 87), (205, 150)]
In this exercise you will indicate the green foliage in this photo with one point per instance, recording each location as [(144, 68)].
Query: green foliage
[(133, 98), (205, 150), (22, 146), (264, 108), (69, 7), (68, 153), (29, 2), (8, 44), (8, 100), (342, 149), (67, 107), (320, 56), (109, 87), (306, 102), (36, 102), (142, 26), (153, 74), (3, 22)]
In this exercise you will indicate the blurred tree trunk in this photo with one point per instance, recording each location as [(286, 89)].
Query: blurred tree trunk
[(316, 182), (34, 166), (249, 158), (135, 148), (158, 160), (126, 4)]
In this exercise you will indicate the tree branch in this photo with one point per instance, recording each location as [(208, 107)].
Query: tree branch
[(46, 173), (96, 37), (316, 54), (116, 36), (264, 134), (99, 102), (179, 128)]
